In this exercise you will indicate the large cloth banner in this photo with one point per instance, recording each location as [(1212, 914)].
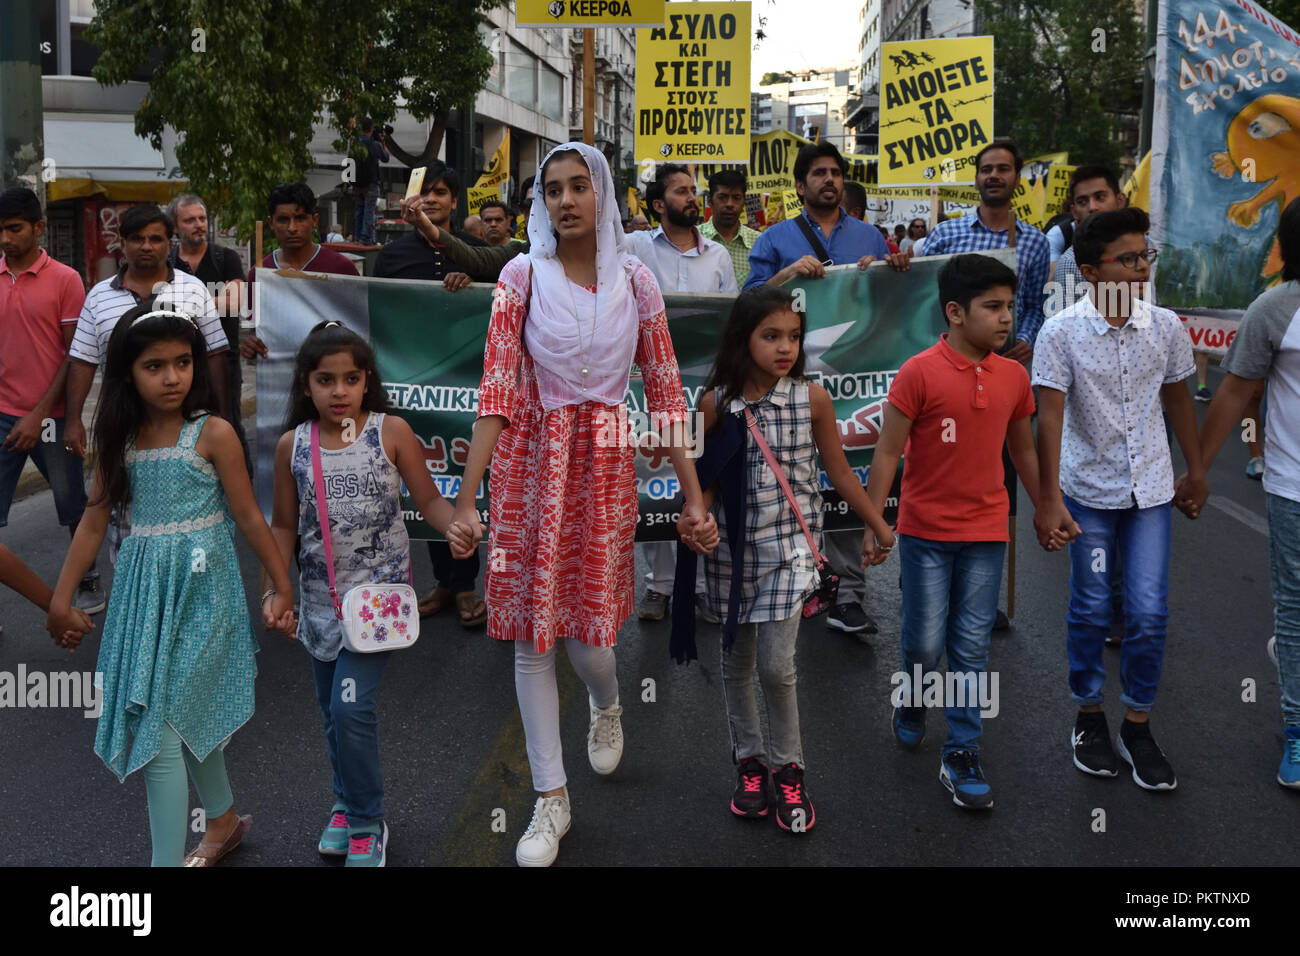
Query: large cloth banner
[(1225, 156), (862, 326)]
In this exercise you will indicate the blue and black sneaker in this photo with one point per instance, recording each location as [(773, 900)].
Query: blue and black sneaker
[(1288, 774), (909, 726), (960, 772)]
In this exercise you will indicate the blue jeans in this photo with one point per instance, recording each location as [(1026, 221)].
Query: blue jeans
[(950, 601), (1142, 535), (1284, 567), (365, 214), (60, 468), (352, 730)]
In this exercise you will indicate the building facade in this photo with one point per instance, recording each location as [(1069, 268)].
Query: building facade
[(811, 103)]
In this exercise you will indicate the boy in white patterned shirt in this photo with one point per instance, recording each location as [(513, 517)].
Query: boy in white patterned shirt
[(1109, 368)]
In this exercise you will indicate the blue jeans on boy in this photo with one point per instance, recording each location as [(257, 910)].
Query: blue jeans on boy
[(352, 731), (1284, 568), (364, 214), (950, 601), (1142, 535)]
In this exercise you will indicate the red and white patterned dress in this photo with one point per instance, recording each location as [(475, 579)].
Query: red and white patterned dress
[(562, 506)]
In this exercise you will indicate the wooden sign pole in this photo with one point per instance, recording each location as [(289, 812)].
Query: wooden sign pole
[(589, 86)]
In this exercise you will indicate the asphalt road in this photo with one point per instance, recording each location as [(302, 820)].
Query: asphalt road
[(453, 747)]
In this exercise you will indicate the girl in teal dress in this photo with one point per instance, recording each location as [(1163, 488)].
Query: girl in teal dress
[(176, 658)]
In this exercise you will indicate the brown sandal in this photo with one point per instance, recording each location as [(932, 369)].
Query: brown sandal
[(434, 601), (210, 854), (467, 602)]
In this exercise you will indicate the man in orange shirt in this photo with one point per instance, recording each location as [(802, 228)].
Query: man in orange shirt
[(40, 301)]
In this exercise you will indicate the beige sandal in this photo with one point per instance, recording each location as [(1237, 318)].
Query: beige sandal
[(210, 854)]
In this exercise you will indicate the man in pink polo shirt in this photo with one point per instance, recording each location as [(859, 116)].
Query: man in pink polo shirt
[(40, 301), (950, 410)]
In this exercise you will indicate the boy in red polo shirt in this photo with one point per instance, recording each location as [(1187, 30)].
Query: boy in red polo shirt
[(40, 300), (950, 410)]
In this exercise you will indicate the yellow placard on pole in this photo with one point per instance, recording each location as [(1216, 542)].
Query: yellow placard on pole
[(478, 195), (791, 202), (936, 109), (692, 89), (498, 171), (589, 13)]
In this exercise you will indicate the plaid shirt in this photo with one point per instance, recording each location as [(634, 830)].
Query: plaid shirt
[(1033, 256), (738, 248), (779, 572)]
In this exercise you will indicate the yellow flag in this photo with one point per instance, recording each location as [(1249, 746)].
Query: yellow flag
[(498, 171), (633, 202), (1138, 188)]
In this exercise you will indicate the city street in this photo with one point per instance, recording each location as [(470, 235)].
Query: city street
[(454, 761)]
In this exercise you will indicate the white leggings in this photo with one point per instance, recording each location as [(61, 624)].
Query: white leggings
[(539, 701)]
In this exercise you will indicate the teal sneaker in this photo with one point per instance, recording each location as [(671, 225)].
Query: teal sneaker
[(334, 841), (368, 846), (1288, 774), (961, 773)]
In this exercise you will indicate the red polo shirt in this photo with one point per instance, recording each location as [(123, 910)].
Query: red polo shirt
[(953, 482), (34, 306)]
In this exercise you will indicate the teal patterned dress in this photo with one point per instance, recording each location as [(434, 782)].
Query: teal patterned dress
[(178, 645)]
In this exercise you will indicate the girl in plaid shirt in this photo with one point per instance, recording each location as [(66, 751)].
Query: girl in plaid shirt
[(759, 370)]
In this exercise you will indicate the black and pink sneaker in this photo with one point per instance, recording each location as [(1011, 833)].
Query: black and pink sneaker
[(750, 798), (794, 809)]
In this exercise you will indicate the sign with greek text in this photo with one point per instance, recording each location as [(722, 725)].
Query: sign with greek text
[(692, 85), (936, 109), (589, 13)]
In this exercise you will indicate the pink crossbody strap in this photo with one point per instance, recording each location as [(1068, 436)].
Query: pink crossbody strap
[(777, 470), (323, 513)]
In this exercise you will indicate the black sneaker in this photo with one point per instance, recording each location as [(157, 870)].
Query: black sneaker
[(1092, 750), (1151, 769), (750, 798), (961, 773), (851, 619), (794, 809)]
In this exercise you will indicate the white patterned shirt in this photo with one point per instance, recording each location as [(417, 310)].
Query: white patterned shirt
[(109, 300), (1114, 445)]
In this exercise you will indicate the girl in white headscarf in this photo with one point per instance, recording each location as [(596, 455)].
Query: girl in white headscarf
[(567, 323)]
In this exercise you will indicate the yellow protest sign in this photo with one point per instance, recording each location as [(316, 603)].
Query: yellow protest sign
[(692, 90), (589, 13), (791, 203), (498, 171), (478, 195), (773, 211), (936, 109), (1058, 189)]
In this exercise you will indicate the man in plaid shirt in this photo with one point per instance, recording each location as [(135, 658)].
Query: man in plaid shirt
[(997, 171), (727, 188)]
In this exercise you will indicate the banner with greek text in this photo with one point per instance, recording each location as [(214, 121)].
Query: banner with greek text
[(936, 109), (692, 89), (1225, 158), (862, 326), (589, 13)]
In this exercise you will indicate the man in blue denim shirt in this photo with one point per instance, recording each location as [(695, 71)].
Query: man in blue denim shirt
[(785, 251), (1267, 348)]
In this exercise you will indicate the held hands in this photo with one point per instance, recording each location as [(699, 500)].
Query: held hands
[(1055, 526), (464, 532), (875, 549), (277, 614), (1190, 494), (698, 529), (67, 626)]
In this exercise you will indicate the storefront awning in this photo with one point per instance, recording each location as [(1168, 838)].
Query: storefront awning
[(105, 158)]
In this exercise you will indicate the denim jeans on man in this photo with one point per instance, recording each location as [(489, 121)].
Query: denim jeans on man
[(352, 730), (364, 214), (61, 469), (1284, 567), (1142, 535), (950, 601)]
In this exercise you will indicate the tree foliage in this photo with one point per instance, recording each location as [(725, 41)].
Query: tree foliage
[(244, 81), (1288, 11), (1064, 71)]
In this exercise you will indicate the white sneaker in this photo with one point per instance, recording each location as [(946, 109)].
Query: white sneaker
[(540, 843), (605, 738), (1271, 648)]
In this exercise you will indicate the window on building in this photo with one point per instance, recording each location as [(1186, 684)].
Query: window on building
[(521, 75), (552, 98)]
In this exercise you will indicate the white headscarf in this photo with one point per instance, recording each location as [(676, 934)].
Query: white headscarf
[(561, 342)]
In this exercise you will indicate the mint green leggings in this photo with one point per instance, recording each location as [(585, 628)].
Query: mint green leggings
[(169, 794)]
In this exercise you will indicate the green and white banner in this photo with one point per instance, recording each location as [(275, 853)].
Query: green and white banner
[(862, 326)]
